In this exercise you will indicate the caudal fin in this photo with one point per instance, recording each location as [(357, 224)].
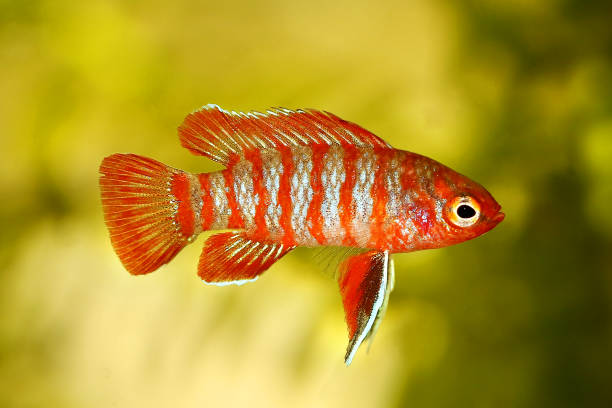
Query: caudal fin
[(147, 209)]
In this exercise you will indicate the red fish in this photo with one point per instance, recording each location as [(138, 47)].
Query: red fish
[(292, 178)]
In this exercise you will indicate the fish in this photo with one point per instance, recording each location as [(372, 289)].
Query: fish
[(292, 178)]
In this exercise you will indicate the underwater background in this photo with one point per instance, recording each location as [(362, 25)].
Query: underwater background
[(516, 95)]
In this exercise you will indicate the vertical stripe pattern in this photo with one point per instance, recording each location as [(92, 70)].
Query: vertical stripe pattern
[(272, 169), (218, 194), (393, 186), (365, 169), (319, 195), (301, 193), (314, 218), (332, 178), (246, 197), (346, 207)]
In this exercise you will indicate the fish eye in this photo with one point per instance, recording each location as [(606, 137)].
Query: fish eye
[(464, 211)]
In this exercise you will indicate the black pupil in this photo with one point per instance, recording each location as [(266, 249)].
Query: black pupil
[(465, 211)]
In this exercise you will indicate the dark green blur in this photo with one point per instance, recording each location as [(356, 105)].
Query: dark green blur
[(516, 95)]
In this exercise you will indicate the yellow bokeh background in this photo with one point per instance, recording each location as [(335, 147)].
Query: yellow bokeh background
[(517, 95)]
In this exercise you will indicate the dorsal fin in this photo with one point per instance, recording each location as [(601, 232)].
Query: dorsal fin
[(221, 135)]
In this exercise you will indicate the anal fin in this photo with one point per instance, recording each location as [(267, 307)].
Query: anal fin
[(364, 285), (232, 258)]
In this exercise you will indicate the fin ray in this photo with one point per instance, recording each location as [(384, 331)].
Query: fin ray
[(222, 135), (139, 211), (233, 258), (328, 258)]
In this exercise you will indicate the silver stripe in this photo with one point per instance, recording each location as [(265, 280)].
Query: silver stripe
[(408, 232), (301, 194), (440, 203), (195, 191), (394, 187), (332, 178), (218, 193), (271, 173), (244, 192), (365, 169)]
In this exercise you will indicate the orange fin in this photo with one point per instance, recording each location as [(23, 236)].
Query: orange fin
[(232, 258), (221, 135), (144, 217), (364, 283)]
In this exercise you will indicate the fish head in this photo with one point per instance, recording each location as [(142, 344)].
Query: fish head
[(468, 210)]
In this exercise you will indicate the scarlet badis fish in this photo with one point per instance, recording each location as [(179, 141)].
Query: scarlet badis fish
[(292, 178)]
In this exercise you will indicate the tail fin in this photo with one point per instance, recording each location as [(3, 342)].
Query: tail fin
[(148, 210)]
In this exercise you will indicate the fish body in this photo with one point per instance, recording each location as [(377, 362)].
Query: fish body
[(292, 178), (327, 196)]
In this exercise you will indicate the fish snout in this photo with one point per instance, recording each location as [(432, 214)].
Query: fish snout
[(499, 217)]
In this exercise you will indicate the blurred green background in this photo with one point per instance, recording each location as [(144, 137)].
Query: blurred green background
[(516, 94)]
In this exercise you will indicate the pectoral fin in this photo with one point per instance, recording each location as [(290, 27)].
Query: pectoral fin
[(364, 285)]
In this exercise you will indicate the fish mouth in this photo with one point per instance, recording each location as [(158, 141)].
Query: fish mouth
[(499, 217)]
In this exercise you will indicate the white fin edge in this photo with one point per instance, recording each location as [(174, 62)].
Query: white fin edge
[(383, 308), (228, 283)]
